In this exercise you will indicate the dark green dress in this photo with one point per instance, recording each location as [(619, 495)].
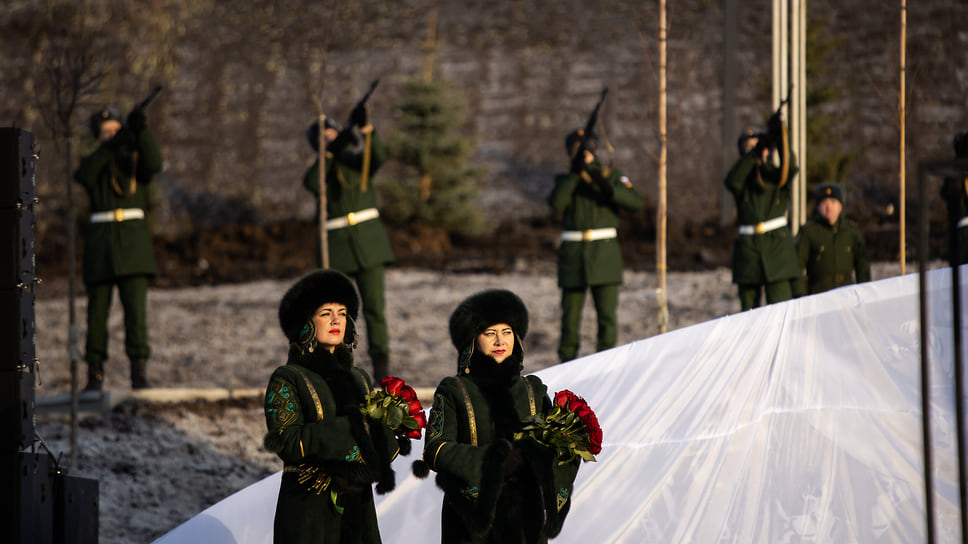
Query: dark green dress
[(830, 256), (469, 437), (312, 409)]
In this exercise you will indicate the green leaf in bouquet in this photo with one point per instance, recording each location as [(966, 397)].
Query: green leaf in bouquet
[(394, 418), (376, 412)]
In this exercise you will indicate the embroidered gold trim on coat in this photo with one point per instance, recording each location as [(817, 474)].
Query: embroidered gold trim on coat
[(312, 393), (471, 420), (531, 403)]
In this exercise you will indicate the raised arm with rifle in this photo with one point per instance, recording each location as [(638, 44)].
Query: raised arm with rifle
[(776, 137)]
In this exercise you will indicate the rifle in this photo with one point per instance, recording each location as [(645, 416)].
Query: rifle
[(144, 103), (362, 102), (592, 120), (777, 116)]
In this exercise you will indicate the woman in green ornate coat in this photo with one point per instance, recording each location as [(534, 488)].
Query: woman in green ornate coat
[(496, 489), (332, 453)]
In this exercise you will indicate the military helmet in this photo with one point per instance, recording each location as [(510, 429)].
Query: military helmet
[(312, 133), (829, 190), (961, 144), (309, 293), (575, 137), (107, 113), (747, 134)]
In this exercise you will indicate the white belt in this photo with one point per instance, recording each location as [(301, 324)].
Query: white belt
[(765, 226), (964, 222), (588, 235), (352, 218), (118, 215)]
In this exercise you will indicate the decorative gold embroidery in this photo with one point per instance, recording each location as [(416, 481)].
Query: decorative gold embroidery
[(531, 404), (312, 393), (280, 404), (471, 420)]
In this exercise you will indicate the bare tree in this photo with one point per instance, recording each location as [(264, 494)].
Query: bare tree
[(71, 74)]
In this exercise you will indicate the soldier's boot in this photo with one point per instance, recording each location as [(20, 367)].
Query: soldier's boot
[(139, 373), (95, 376), (381, 366)]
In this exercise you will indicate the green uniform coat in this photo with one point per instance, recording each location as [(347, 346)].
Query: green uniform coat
[(584, 206), (830, 256), (771, 256), (955, 194), (117, 249), (480, 503), (319, 434), (364, 245)]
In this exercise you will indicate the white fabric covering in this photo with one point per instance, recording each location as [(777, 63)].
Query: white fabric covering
[(796, 422)]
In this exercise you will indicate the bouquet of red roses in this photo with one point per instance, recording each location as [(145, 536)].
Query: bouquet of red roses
[(397, 406), (570, 428)]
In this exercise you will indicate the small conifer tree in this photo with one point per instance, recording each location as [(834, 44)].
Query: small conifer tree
[(438, 187)]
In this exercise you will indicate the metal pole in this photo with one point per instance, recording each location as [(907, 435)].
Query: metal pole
[(925, 370), (323, 237), (660, 265), (730, 131), (796, 204), (801, 128), (902, 115)]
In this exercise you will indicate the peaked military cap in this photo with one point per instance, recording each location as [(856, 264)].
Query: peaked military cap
[(830, 190)]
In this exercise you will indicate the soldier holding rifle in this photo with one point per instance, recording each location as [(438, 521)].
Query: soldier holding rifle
[(117, 248), (357, 240), (589, 197), (764, 256)]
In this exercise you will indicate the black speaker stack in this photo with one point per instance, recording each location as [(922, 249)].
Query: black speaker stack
[(46, 505)]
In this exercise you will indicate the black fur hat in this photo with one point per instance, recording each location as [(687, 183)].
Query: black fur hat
[(107, 113), (312, 291), (479, 311)]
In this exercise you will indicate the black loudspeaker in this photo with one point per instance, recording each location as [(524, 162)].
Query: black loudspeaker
[(75, 510), (17, 261), (17, 329), (28, 479), (17, 411), (17, 180)]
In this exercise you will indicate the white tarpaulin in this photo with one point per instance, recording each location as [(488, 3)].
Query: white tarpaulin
[(796, 422)]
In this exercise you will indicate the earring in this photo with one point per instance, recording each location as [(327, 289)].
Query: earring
[(464, 362), (356, 337), (307, 338)]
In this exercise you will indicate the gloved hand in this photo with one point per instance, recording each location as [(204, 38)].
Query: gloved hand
[(125, 138), (137, 121), (774, 128), (578, 161), (360, 116)]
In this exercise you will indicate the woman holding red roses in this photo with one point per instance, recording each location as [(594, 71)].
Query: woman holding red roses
[(332, 451), (500, 485)]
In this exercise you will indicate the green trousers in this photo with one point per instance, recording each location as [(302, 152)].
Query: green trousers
[(605, 298), (134, 299), (750, 296), (371, 284)]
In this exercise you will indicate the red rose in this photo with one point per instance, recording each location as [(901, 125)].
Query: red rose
[(590, 421), (392, 384), (415, 407), (576, 403), (408, 393), (414, 433), (563, 398), (421, 419)]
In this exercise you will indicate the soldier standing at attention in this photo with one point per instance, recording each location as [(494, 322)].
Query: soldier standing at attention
[(589, 198), (117, 246), (358, 243), (829, 247), (954, 191), (763, 253)]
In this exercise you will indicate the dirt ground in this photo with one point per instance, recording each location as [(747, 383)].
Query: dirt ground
[(160, 463)]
